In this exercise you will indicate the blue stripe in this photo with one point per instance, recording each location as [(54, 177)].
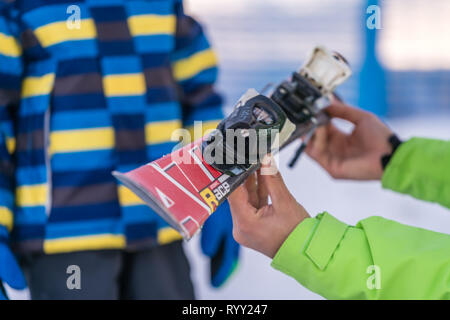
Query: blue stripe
[(156, 151), (154, 43), (78, 102), (31, 158), (163, 112), (138, 214), (31, 175), (7, 198), (126, 105), (75, 49), (161, 94), (153, 60), (85, 212), (10, 65), (4, 234), (121, 65), (80, 178), (10, 81), (134, 158), (140, 231), (145, 7), (69, 120), (84, 228), (110, 13), (30, 123), (78, 66), (111, 48), (86, 160), (40, 68), (28, 232), (30, 215), (34, 105)]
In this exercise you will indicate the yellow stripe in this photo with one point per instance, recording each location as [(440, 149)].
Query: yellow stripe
[(81, 140), (167, 235), (206, 125), (31, 195), (35, 86), (128, 198), (58, 32), (158, 132), (124, 85), (11, 144), (6, 217), (189, 67), (9, 46), (150, 24), (104, 241)]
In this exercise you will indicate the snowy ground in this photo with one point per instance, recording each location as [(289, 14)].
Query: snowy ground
[(316, 191)]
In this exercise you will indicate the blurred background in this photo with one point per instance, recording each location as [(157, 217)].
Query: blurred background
[(401, 72)]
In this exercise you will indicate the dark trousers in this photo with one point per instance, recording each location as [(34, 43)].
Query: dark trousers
[(162, 272)]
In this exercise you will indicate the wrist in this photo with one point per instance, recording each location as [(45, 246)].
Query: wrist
[(394, 143)]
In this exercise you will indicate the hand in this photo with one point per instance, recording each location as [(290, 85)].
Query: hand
[(351, 156), (259, 225)]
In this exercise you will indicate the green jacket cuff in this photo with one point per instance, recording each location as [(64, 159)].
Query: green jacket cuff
[(314, 240), (419, 168)]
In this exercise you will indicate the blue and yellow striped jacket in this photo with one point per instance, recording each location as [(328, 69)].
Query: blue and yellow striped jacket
[(82, 97)]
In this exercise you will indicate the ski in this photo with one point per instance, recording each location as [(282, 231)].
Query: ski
[(186, 186)]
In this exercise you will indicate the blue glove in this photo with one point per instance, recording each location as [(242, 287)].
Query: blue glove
[(217, 243), (10, 273)]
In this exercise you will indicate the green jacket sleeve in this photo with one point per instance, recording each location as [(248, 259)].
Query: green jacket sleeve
[(421, 168), (376, 259)]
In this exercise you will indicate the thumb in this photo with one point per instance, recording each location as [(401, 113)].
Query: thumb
[(275, 186)]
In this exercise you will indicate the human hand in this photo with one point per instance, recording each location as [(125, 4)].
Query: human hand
[(351, 156), (259, 225)]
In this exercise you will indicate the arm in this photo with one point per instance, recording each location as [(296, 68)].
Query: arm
[(376, 259), (419, 168), (194, 65), (10, 84)]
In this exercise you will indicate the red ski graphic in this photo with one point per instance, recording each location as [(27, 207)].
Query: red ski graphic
[(181, 187)]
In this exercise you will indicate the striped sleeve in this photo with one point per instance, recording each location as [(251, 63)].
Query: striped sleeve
[(10, 84), (194, 65)]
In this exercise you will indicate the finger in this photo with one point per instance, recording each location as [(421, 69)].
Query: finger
[(252, 189), (263, 193), (276, 188), (239, 204), (317, 146), (346, 112)]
